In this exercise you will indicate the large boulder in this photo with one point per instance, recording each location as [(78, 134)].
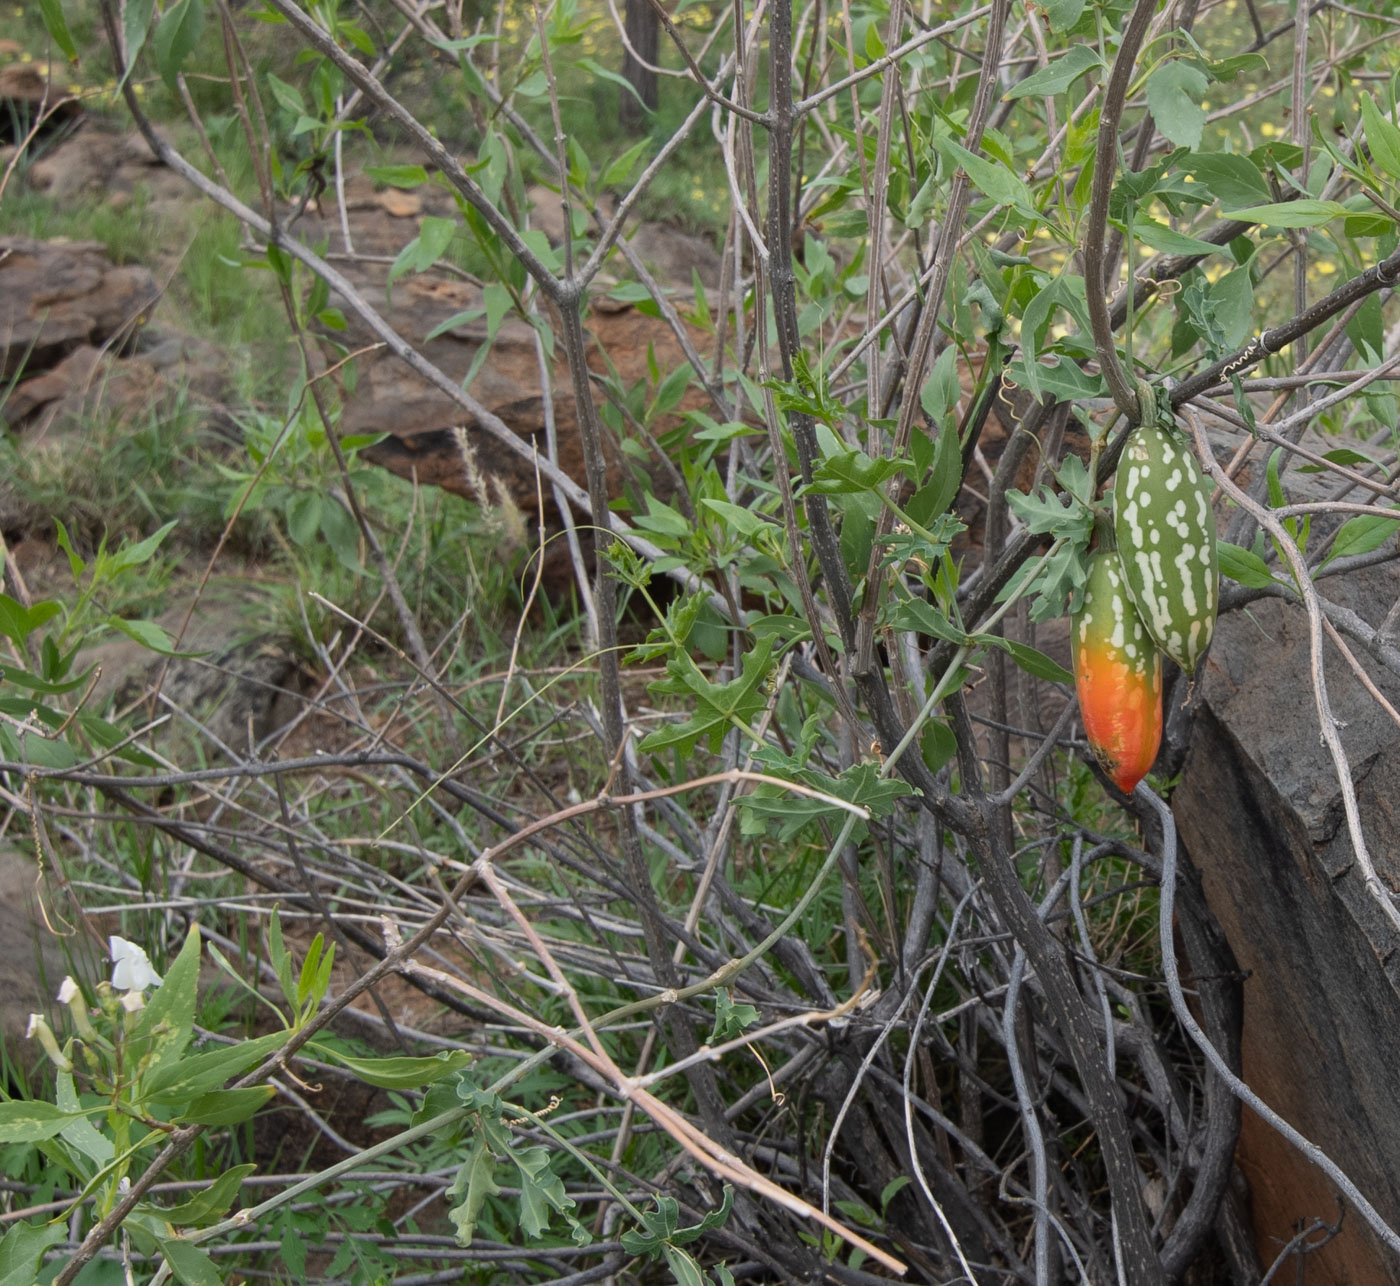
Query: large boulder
[(1260, 810), (56, 296)]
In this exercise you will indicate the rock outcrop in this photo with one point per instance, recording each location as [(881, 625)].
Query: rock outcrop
[(1260, 811), (56, 296)]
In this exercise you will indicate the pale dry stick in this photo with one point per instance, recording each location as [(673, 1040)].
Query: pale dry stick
[(1030, 1124), (714, 1053), (1042, 58), (697, 902), (1336, 507), (1347, 391), (582, 580), (1301, 130), (1330, 735), (591, 638), (907, 1078), (339, 165), (193, 113), (698, 1145), (877, 199), (1186, 1018), (729, 145), (1267, 434), (1360, 671), (938, 960), (656, 68), (885, 61)]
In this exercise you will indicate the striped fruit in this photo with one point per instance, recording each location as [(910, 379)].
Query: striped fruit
[(1167, 543), (1118, 673)]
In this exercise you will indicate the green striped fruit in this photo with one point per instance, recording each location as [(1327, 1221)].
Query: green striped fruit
[(1167, 543), (1118, 675)]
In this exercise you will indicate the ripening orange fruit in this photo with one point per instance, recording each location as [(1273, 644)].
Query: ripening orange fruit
[(1118, 673)]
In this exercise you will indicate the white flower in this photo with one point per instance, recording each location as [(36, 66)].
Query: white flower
[(133, 1001), (40, 1030), (131, 966), (67, 991)]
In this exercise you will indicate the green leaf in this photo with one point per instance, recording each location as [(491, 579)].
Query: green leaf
[(190, 1265), (199, 1073), (941, 389), (30, 1122), (434, 236), (1234, 181), (591, 65), (57, 27), (176, 36), (731, 1020), (168, 1018), (1064, 378), (22, 1250), (339, 529), (1063, 14), (1382, 138), (280, 958), (148, 634), (851, 472), (1175, 91), (619, 169), (81, 1133), (938, 743), (304, 517), (1244, 566), (225, 1107), (541, 1190), (39, 752), (289, 96), (1233, 300), (1045, 515), (1168, 241), (1059, 75), (944, 482), (1034, 663), (400, 1073), (683, 1268), (922, 617), (717, 707), (995, 181), (1362, 534), (17, 622), (744, 521), (209, 1205), (398, 176), (141, 552), (475, 1181), (136, 26), (1291, 214)]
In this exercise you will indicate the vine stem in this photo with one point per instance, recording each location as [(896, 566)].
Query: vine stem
[(1119, 381)]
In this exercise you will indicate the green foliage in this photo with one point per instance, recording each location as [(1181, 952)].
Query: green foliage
[(815, 491)]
